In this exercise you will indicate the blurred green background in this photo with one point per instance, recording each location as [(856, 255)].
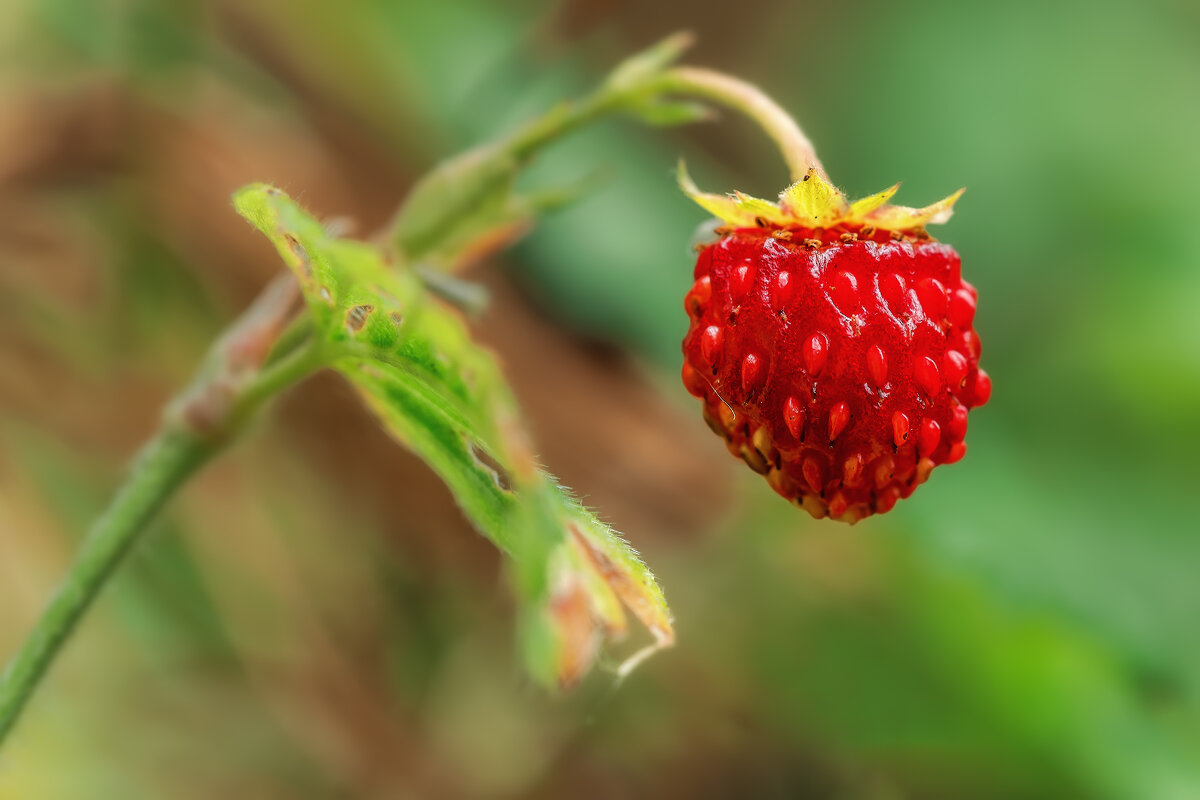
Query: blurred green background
[(311, 618)]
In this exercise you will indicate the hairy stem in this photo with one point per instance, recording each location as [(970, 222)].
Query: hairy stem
[(746, 99), (196, 426), (164, 463)]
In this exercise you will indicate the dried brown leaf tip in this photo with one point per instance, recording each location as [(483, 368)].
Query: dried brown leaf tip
[(598, 579)]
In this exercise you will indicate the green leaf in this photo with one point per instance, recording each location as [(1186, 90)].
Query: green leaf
[(643, 67), (412, 360)]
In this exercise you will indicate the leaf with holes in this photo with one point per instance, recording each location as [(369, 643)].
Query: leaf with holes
[(415, 365)]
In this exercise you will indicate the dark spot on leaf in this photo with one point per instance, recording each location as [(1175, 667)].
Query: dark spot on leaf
[(397, 318), (357, 317), (485, 460), (300, 253)]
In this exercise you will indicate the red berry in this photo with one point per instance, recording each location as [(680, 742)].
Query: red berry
[(840, 360)]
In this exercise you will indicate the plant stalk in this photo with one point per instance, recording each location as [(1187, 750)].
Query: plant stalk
[(199, 424), (749, 100), (163, 464)]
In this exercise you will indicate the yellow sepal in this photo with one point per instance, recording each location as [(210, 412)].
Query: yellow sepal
[(740, 210), (860, 208), (896, 218), (813, 201), (759, 209)]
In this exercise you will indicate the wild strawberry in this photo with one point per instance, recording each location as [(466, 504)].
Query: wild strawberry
[(832, 344)]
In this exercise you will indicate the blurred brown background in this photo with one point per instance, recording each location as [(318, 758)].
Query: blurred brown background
[(312, 617)]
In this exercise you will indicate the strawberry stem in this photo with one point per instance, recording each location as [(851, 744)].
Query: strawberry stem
[(797, 150)]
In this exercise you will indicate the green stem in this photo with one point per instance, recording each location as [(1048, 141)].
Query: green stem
[(746, 99), (631, 81), (455, 188), (165, 462), (556, 124)]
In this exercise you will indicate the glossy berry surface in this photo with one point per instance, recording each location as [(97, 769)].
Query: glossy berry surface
[(839, 362)]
